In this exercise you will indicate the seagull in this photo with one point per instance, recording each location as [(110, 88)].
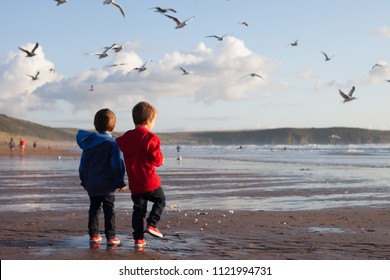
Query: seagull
[(91, 88), (111, 47), (59, 2), (334, 136), (163, 10), (185, 72), (376, 65), (116, 64), (107, 2), (140, 69), (52, 70), (143, 67), (294, 44), (34, 78), (100, 54), (243, 23), (349, 96), (32, 53), (105, 53), (327, 58), (180, 24), (255, 75), (218, 37), (118, 48)]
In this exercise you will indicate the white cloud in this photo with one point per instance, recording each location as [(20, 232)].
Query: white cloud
[(219, 74), (383, 31), (378, 73), (17, 89), (307, 74)]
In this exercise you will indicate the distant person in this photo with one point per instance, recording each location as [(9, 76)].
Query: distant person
[(101, 172), (142, 154), (35, 144), (178, 148), (22, 144), (11, 144)]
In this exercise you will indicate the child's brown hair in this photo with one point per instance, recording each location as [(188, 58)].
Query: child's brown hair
[(104, 120), (143, 112)]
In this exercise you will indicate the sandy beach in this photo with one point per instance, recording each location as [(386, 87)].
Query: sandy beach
[(347, 233), (41, 150)]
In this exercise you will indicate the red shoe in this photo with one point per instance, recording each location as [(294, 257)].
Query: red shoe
[(113, 241), (140, 243), (154, 231), (95, 239)]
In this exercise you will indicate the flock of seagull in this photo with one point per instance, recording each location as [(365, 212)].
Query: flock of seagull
[(116, 48), (31, 54)]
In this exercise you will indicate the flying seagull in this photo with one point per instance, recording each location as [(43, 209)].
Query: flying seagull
[(327, 58), (185, 72), (163, 10), (376, 65), (255, 75), (100, 54), (118, 48), (143, 67), (110, 47), (116, 64), (140, 69), (349, 96), (180, 24), (220, 38), (334, 136), (294, 44), (59, 2), (243, 23), (34, 78), (105, 53), (107, 2), (30, 53)]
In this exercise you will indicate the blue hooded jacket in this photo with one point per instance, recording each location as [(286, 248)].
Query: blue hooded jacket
[(101, 168)]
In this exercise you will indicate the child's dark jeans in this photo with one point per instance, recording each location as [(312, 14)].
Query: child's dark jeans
[(109, 215), (140, 208)]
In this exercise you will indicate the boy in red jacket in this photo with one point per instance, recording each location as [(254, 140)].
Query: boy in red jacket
[(142, 154)]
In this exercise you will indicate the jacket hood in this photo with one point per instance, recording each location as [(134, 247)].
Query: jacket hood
[(87, 140)]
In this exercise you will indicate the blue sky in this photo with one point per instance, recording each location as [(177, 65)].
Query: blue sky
[(299, 88)]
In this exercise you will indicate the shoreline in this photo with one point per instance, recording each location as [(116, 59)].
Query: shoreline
[(47, 150)]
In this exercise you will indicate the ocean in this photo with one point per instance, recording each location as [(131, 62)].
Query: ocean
[(232, 178)]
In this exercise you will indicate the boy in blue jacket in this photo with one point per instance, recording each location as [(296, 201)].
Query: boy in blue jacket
[(101, 172)]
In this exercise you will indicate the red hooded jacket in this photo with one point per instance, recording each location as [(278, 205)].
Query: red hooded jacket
[(142, 154)]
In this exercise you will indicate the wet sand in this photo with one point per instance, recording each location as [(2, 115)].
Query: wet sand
[(356, 233), (332, 234)]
